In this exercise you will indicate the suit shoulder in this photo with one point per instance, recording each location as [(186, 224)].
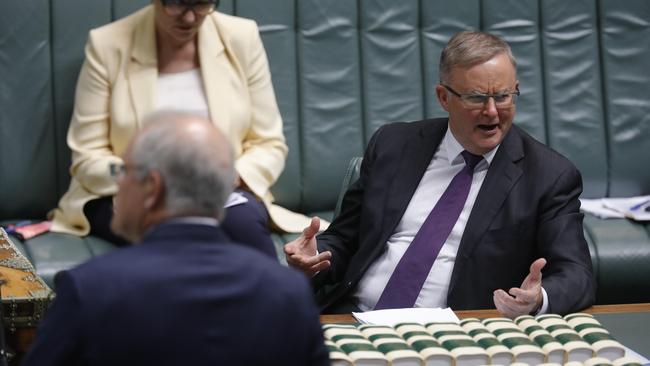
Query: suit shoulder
[(237, 33), (407, 129), (397, 134), (236, 25), (279, 285), (258, 262), (546, 155), (120, 31), (277, 272), (105, 264), (268, 268), (239, 36)]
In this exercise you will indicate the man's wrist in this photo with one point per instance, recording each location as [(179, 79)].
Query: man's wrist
[(543, 307)]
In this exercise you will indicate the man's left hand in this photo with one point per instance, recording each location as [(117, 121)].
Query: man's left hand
[(525, 299)]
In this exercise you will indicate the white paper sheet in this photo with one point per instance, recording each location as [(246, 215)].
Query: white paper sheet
[(391, 317), (632, 207), (631, 353)]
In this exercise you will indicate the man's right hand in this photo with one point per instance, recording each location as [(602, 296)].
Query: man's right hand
[(302, 253)]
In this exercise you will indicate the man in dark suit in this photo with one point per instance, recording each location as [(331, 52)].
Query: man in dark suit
[(516, 239), (184, 294)]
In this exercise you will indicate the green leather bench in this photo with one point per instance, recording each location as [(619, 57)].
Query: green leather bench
[(342, 68)]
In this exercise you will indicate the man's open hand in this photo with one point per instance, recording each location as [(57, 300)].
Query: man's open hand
[(302, 253), (526, 298)]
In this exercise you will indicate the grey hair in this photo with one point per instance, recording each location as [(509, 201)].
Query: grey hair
[(469, 48), (198, 178)]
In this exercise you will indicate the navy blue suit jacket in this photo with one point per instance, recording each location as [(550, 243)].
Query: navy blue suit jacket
[(527, 208), (184, 296)]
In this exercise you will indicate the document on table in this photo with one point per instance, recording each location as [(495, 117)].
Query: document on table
[(631, 353), (634, 208), (391, 317)]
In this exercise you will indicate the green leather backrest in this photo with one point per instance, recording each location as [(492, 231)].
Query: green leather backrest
[(341, 68), (28, 162), (625, 51), (41, 51), (360, 64)]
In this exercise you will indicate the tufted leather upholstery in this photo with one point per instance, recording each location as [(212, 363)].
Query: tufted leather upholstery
[(340, 70)]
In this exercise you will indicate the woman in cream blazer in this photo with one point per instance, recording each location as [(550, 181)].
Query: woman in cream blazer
[(117, 89)]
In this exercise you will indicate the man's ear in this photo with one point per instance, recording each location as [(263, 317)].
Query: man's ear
[(443, 97), (155, 191)]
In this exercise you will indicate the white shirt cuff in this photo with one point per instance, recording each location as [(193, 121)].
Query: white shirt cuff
[(544, 308)]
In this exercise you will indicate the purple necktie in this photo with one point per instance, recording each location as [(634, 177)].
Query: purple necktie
[(412, 270)]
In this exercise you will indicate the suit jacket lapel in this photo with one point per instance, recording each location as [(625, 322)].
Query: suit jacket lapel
[(415, 158), (502, 175), (214, 60), (143, 68)]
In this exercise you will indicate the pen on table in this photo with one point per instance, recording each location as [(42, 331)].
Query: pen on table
[(639, 205)]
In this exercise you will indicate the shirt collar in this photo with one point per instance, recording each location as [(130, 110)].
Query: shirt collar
[(451, 149), (198, 220), (193, 220)]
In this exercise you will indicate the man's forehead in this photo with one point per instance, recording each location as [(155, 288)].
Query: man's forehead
[(496, 59), (492, 72)]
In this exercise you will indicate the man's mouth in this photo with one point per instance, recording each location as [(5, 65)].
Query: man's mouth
[(488, 127)]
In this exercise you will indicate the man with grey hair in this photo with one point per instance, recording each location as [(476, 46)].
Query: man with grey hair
[(197, 166), (467, 211), (184, 294)]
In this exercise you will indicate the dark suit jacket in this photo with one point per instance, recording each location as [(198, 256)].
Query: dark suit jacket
[(185, 296), (527, 208)]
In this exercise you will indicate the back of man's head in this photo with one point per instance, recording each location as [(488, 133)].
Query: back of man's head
[(193, 158)]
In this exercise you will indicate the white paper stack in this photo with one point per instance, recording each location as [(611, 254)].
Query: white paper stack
[(634, 208), (410, 315)]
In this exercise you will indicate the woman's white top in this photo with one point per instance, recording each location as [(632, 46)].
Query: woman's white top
[(182, 91)]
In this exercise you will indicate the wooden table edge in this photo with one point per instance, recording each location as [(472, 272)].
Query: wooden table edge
[(491, 313)]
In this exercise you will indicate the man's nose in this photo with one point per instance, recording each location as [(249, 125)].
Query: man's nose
[(490, 108)]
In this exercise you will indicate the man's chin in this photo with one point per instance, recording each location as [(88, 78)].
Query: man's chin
[(483, 146)]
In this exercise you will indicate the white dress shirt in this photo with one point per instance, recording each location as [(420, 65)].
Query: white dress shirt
[(446, 163)]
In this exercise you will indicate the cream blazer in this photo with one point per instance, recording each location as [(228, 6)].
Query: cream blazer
[(116, 90)]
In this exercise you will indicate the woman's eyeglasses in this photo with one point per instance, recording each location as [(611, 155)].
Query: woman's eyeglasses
[(180, 7)]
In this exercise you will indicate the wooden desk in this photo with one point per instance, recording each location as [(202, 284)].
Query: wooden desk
[(492, 313)]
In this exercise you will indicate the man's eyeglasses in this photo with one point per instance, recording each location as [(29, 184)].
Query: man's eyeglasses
[(478, 100), (180, 7), (119, 170)]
